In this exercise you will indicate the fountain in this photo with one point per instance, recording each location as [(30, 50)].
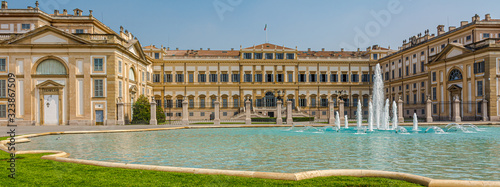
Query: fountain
[(385, 117), (378, 95), (359, 114), (401, 130), (415, 122), (345, 120), (436, 129), (337, 120), (455, 127), (370, 116), (473, 127), (394, 115)]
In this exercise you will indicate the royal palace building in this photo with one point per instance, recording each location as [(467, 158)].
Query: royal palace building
[(71, 69)]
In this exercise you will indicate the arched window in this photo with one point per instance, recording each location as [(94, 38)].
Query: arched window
[(131, 75), (455, 75), (51, 67)]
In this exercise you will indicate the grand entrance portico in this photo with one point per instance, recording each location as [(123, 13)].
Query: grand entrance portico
[(51, 103)]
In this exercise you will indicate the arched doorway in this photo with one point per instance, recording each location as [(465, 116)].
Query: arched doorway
[(270, 100)]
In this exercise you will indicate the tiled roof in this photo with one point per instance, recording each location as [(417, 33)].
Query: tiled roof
[(269, 46), (332, 54), (201, 53), (150, 47)]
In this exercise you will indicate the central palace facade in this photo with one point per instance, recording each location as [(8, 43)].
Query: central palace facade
[(71, 69)]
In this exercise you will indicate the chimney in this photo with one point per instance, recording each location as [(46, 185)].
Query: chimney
[(487, 17), (176, 48), (56, 12), (322, 49), (201, 49), (440, 29), (451, 28), (168, 48), (358, 49), (308, 49), (75, 12), (208, 49), (90, 13), (232, 49), (65, 12), (341, 49), (4, 5), (463, 23)]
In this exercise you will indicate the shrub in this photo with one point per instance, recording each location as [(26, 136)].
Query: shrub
[(142, 113)]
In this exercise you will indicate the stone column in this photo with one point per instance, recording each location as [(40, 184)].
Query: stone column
[(248, 119), (121, 120), (456, 110), (185, 112), (216, 113), (341, 109), (401, 119), (485, 110), (153, 114), (279, 120), (428, 110), (331, 113), (289, 117)]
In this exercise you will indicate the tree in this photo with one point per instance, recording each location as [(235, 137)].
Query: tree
[(142, 113), (160, 115)]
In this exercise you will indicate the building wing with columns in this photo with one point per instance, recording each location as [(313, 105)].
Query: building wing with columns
[(71, 69)]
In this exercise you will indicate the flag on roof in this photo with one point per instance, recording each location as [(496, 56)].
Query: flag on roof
[(265, 28)]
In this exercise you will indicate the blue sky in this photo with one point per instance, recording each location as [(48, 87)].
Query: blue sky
[(316, 24)]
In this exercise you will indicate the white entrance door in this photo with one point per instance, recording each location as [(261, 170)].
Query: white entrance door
[(51, 109)]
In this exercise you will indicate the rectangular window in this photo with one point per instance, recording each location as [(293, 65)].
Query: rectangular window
[(434, 76), (25, 26), (279, 56), (247, 55), (486, 35), (422, 66), (365, 101), (224, 103), (202, 78), (98, 63), (422, 84), (302, 77), (3, 88), (169, 103), (191, 77), (407, 70), (290, 77), (366, 77), (468, 38), (414, 55), (323, 78), (147, 76), (213, 78), (479, 107), (344, 78), (407, 99), (434, 93), (414, 85), (392, 74), (202, 113), (258, 77), (386, 76), (375, 56), (98, 88), (422, 97), (167, 77), (290, 56), (179, 78), (3, 111), (269, 78), (355, 77), (258, 55), (479, 67), (120, 89), (399, 72), (280, 78), (224, 78), (236, 103), (269, 56), (479, 88), (179, 103), (119, 66), (313, 78), (442, 46), (156, 77), (79, 31), (434, 108), (324, 102), (432, 50), (414, 68), (422, 53), (258, 103), (313, 102), (235, 78), (248, 77), (157, 55), (202, 103), (3, 64), (414, 98), (191, 103), (302, 102), (334, 78)]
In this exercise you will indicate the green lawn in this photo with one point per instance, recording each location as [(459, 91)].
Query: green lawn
[(33, 171)]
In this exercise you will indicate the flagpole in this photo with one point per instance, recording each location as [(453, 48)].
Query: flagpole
[(266, 35)]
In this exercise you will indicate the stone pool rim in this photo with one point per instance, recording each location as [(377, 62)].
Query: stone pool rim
[(61, 156)]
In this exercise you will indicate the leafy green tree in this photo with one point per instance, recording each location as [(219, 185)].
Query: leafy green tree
[(160, 115), (142, 113)]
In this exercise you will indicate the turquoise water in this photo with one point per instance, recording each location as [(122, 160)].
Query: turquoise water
[(456, 155)]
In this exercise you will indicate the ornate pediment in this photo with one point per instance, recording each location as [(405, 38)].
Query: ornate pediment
[(48, 35), (49, 84)]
